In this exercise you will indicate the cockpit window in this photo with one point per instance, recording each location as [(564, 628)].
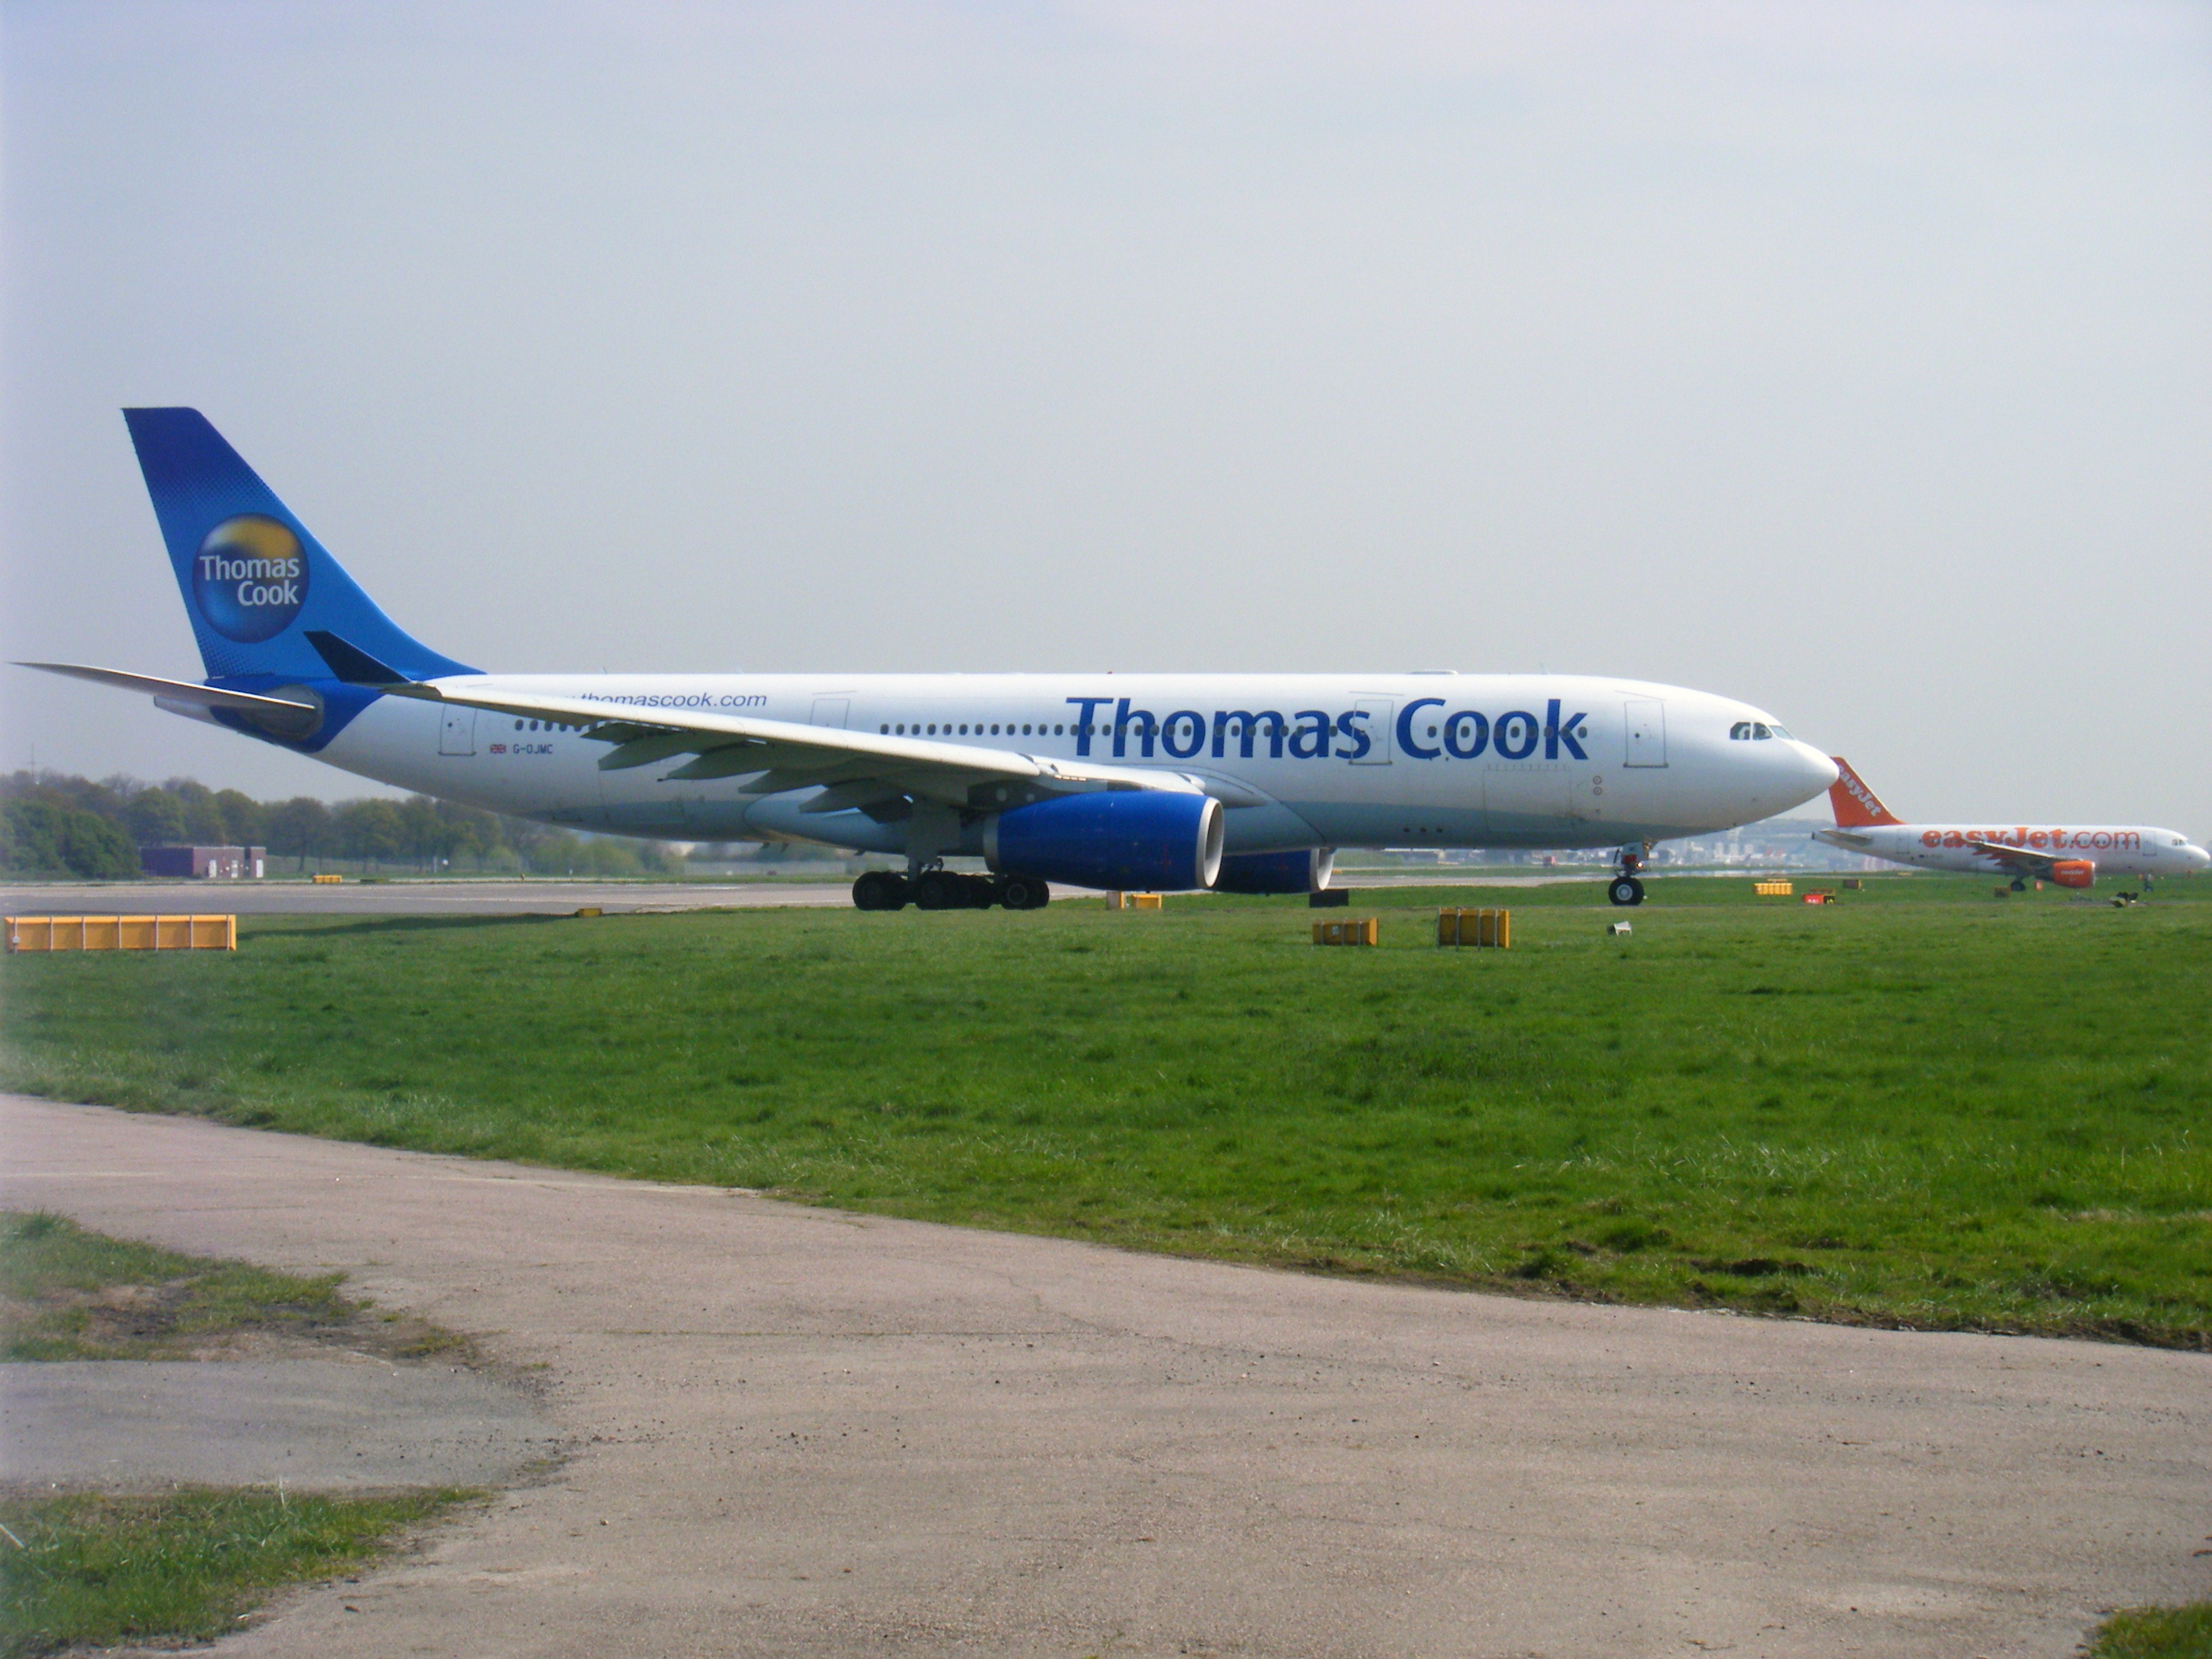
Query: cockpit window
[(1760, 731), (1739, 731), (1781, 731)]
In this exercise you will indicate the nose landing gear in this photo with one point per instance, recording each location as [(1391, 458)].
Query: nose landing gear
[(1626, 888)]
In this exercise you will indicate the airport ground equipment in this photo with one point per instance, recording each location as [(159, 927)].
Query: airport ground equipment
[(1488, 927), (1775, 889), (1364, 930), (1134, 902), (121, 933)]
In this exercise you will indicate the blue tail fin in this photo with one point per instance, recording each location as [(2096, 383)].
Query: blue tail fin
[(257, 586)]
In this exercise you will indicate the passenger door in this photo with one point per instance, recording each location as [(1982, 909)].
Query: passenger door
[(1381, 735), (458, 734), (830, 711), (1647, 732)]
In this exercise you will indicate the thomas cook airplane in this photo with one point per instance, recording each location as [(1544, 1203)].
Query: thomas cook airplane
[(2070, 856), (1240, 783)]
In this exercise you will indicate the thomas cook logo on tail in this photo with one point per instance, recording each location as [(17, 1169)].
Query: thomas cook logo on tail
[(249, 578)]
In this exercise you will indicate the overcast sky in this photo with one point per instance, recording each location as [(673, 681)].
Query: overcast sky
[(1853, 359)]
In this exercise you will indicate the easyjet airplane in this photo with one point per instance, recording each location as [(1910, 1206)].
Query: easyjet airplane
[(1246, 783), (2072, 857)]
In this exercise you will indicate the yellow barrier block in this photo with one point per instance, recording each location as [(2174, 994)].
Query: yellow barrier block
[(1133, 901), (1365, 931), (328, 881), (121, 933), (1774, 888), (1489, 927)]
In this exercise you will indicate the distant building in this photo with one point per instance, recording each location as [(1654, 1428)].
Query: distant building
[(205, 863)]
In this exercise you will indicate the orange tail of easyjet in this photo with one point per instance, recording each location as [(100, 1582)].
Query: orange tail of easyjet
[(1856, 806)]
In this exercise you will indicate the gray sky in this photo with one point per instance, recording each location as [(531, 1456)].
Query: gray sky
[(1855, 360)]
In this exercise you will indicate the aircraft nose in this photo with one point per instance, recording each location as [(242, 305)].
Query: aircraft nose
[(2199, 859), (1811, 771)]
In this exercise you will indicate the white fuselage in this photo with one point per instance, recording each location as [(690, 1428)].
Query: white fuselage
[(1397, 760), (2133, 849)]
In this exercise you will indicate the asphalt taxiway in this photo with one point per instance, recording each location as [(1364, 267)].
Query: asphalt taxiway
[(795, 1432)]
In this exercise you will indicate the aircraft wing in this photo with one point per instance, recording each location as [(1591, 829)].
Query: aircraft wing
[(856, 769), (2020, 860)]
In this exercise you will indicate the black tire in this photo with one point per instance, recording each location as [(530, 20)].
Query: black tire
[(1023, 893), (982, 892), (879, 890), (935, 890), (1625, 890), (2018, 885)]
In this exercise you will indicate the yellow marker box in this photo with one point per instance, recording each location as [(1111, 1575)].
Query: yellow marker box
[(120, 932), (1493, 928)]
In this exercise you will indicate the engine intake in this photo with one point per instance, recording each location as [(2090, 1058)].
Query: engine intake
[(1156, 840)]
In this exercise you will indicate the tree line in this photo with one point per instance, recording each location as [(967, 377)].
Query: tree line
[(52, 823)]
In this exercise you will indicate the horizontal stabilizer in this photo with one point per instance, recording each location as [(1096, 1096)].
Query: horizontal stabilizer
[(204, 697)]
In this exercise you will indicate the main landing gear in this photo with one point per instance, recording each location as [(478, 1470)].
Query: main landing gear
[(1626, 888), (946, 890)]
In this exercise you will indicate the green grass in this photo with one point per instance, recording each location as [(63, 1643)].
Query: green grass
[(91, 1570), (1921, 1106), (2155, 1633)]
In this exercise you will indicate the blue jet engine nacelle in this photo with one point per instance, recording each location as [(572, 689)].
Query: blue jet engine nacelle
[(1153, 839)]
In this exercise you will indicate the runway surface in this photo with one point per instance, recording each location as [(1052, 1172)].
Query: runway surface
[(802, 1432), (510, 897)]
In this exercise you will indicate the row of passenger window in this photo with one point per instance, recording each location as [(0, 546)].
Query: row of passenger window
[(947, 728)]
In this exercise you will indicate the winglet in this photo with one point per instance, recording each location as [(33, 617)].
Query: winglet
[(1855, 806)]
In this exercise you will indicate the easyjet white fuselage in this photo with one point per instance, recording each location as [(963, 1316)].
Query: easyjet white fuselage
[(2133, 849)]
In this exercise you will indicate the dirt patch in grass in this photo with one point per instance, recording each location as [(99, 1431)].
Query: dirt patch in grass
[(66, 1293)]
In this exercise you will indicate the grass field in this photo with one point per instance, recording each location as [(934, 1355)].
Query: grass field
[(90, 1570), (1920, 1106)]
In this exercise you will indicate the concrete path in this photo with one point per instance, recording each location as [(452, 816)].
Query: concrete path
[(799, 1432), (325, 1425)]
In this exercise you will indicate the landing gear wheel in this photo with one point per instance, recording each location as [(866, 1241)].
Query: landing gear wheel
[(2018, 885), (1625, 890), (1023, 893), (934, 890), (879, 890)]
